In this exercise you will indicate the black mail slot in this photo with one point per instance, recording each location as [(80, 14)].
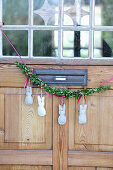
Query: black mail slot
[(77, 77)]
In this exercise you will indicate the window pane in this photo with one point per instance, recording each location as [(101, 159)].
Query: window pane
[(104, 12), (75, 43), (76, 12), (103, 44), (20, 41), (46, 12), (15, 12), (45, 43)]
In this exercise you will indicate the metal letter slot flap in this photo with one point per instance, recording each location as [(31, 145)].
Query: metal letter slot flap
[(77, 77)]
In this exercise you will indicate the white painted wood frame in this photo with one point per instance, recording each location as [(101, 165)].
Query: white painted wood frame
[(60, 28)]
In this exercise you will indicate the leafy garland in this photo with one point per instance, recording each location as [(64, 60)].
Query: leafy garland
[(56, 91)]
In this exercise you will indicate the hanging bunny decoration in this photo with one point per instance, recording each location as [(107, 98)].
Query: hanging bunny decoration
[(41, 109), (62, 117), (29, 98), (82, 115)]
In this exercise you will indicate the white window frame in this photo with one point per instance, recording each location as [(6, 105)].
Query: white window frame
[(60, 28)]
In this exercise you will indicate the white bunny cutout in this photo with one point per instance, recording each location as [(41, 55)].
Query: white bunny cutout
[(41, 109), (62, 117), (29, 98), (82, 115), (83, 109)]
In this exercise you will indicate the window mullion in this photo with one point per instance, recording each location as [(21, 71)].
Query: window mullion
[(30, 31), (91, 33), (60, 33)]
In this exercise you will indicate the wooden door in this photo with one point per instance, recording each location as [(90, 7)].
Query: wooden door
[(30, 142), (61, 34)]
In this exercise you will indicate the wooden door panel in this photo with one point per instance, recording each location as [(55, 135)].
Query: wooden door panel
[(1, 116), (23, 124), (33, 126), (90, 159), (23, 167), (10, 76), (97, 130), (88, 168), (106, 119), (13, 118), (86, 147), (104, 168), (1, 111), (26, 157), (14, 78), (81, 168), (79, 134)]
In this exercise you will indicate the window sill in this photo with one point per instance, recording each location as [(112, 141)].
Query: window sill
[(54, 61)]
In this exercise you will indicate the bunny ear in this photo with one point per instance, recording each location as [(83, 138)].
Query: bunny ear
[(81, 107), (27, 89), (30, 89), (85, 106), (60, 107), (38, 98)]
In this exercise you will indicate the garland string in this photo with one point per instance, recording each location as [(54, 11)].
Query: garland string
[(107, 81), (80, 98)]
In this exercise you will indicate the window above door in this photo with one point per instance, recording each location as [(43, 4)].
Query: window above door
[(60, 31)]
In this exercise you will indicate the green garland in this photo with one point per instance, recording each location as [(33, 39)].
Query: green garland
[(55, 91)]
